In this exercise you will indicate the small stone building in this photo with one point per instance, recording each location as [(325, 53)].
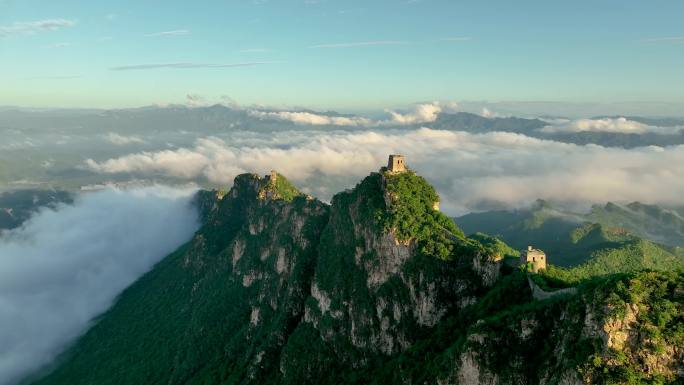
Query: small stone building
[(535, 257), (396, 163)]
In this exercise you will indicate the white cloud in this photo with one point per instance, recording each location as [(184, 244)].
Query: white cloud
[(361, 44), (469, 170), (312, 118), (487, 113), (63, 268), (176, 32), (31, 27), (121, 140), (134, 67), (613, 125), (421, 113), (183, 163)]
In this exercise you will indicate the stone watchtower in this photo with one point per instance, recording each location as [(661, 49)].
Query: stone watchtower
[(535, 257), (396, 164)]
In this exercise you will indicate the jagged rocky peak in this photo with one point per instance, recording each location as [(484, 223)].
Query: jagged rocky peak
[(248, 187), (390, 264), (274, 186)]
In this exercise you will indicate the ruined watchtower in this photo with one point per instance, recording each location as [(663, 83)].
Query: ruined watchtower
[(535, 257), (396, 164)]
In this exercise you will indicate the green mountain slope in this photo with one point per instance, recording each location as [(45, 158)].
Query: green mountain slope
[(648, 221), (377, 288), (193, 318), (630, 256)]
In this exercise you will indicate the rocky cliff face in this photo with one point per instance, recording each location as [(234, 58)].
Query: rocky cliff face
[(271, 257), (617, 331), (375, 289)]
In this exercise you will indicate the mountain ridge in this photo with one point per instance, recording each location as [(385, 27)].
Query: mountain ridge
[(376, 287)]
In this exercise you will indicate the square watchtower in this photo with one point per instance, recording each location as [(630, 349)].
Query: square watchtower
[(396, 163), (536, 258)]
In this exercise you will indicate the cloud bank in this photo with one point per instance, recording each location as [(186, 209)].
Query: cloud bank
[(609, 125), (614, 125), (417, 114), (309, 118), (470, 171), (64, 267), (121, 140), (421, 113)]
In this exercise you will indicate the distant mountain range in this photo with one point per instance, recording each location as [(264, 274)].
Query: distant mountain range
[(474, 123), (574, 238), (464, 121), (217, 118)]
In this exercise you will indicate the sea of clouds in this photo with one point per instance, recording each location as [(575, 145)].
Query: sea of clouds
[(64, 267), (470, 171)]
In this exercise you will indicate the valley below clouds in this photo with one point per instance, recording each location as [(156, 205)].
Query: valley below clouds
[(66, 266)]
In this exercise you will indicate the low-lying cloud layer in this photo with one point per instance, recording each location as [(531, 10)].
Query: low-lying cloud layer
[(121, 140), (422, 113), (417, 114), (64, 267), (609, 125), (310, 118), (470, 171)]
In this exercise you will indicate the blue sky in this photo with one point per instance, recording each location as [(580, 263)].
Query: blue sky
[(346, 55)]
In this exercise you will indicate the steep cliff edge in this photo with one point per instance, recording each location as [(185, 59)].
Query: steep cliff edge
[(390, 268), (218, 309)]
